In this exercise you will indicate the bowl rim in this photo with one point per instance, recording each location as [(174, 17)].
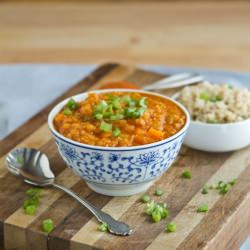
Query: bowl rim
[(229, 124), (83, 95)]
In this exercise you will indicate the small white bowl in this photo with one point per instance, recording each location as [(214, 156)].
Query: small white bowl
[(218, 137), (118, 171)]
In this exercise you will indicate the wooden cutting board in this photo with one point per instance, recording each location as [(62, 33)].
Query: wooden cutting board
[(225, 226)]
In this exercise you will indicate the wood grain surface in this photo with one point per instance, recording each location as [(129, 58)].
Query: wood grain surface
[(211, 34), (225, 226)]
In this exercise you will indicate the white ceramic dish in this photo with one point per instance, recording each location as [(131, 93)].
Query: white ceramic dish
[(218, 137), (222, 137), (118, 171)]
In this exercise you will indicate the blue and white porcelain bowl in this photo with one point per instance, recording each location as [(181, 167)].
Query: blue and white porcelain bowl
[(118, 171)]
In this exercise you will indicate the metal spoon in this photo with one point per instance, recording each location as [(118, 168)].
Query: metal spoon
[(174, 81), (33, 166)]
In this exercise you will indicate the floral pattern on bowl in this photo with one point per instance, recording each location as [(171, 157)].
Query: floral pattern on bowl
[(120, 167)]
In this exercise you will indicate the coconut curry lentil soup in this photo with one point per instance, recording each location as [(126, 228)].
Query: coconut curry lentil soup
[(119, 119)]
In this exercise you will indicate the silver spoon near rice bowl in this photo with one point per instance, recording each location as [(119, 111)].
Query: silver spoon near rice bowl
[(33, 167)]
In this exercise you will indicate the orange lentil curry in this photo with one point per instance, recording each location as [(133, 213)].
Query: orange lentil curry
[(119, 119)]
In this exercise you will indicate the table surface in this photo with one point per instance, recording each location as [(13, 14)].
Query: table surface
[(204, 34), (224, 226)]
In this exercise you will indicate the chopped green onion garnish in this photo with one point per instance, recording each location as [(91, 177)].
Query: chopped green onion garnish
[(72, 104), (47, 225), (158, 192), (116, 132), (103, 227), (204, 96), (212, 121), (142, 102), (106, 127), (145, 199), (117, 108), (67, 111), (202, 208), (129, 101), (171, 227), (186, 174), (215, 99), (101, 107), (98, 116)]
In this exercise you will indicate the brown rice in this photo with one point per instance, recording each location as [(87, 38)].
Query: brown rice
[(216, 103)]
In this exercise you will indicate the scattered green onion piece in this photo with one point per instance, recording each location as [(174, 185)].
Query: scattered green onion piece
[(223, 188), (106, 127), (145, 198), (220, 184), (103, 227), (47, 225), (67, 111), (158, 192), (150, 207), (232, 182), (208, 162), (186, 174), (213, 186), (30, 209), (202, 208), (205, 190), (156, 215), (116, 132), (171, 227), (164, 212), (157, 210), (31, 202), (33, 192), (30, 205)]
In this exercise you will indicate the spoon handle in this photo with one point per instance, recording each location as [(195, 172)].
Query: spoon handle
[(114, 226), (175, 81)]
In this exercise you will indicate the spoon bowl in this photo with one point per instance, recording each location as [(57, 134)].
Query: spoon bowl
[(32, 165)]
